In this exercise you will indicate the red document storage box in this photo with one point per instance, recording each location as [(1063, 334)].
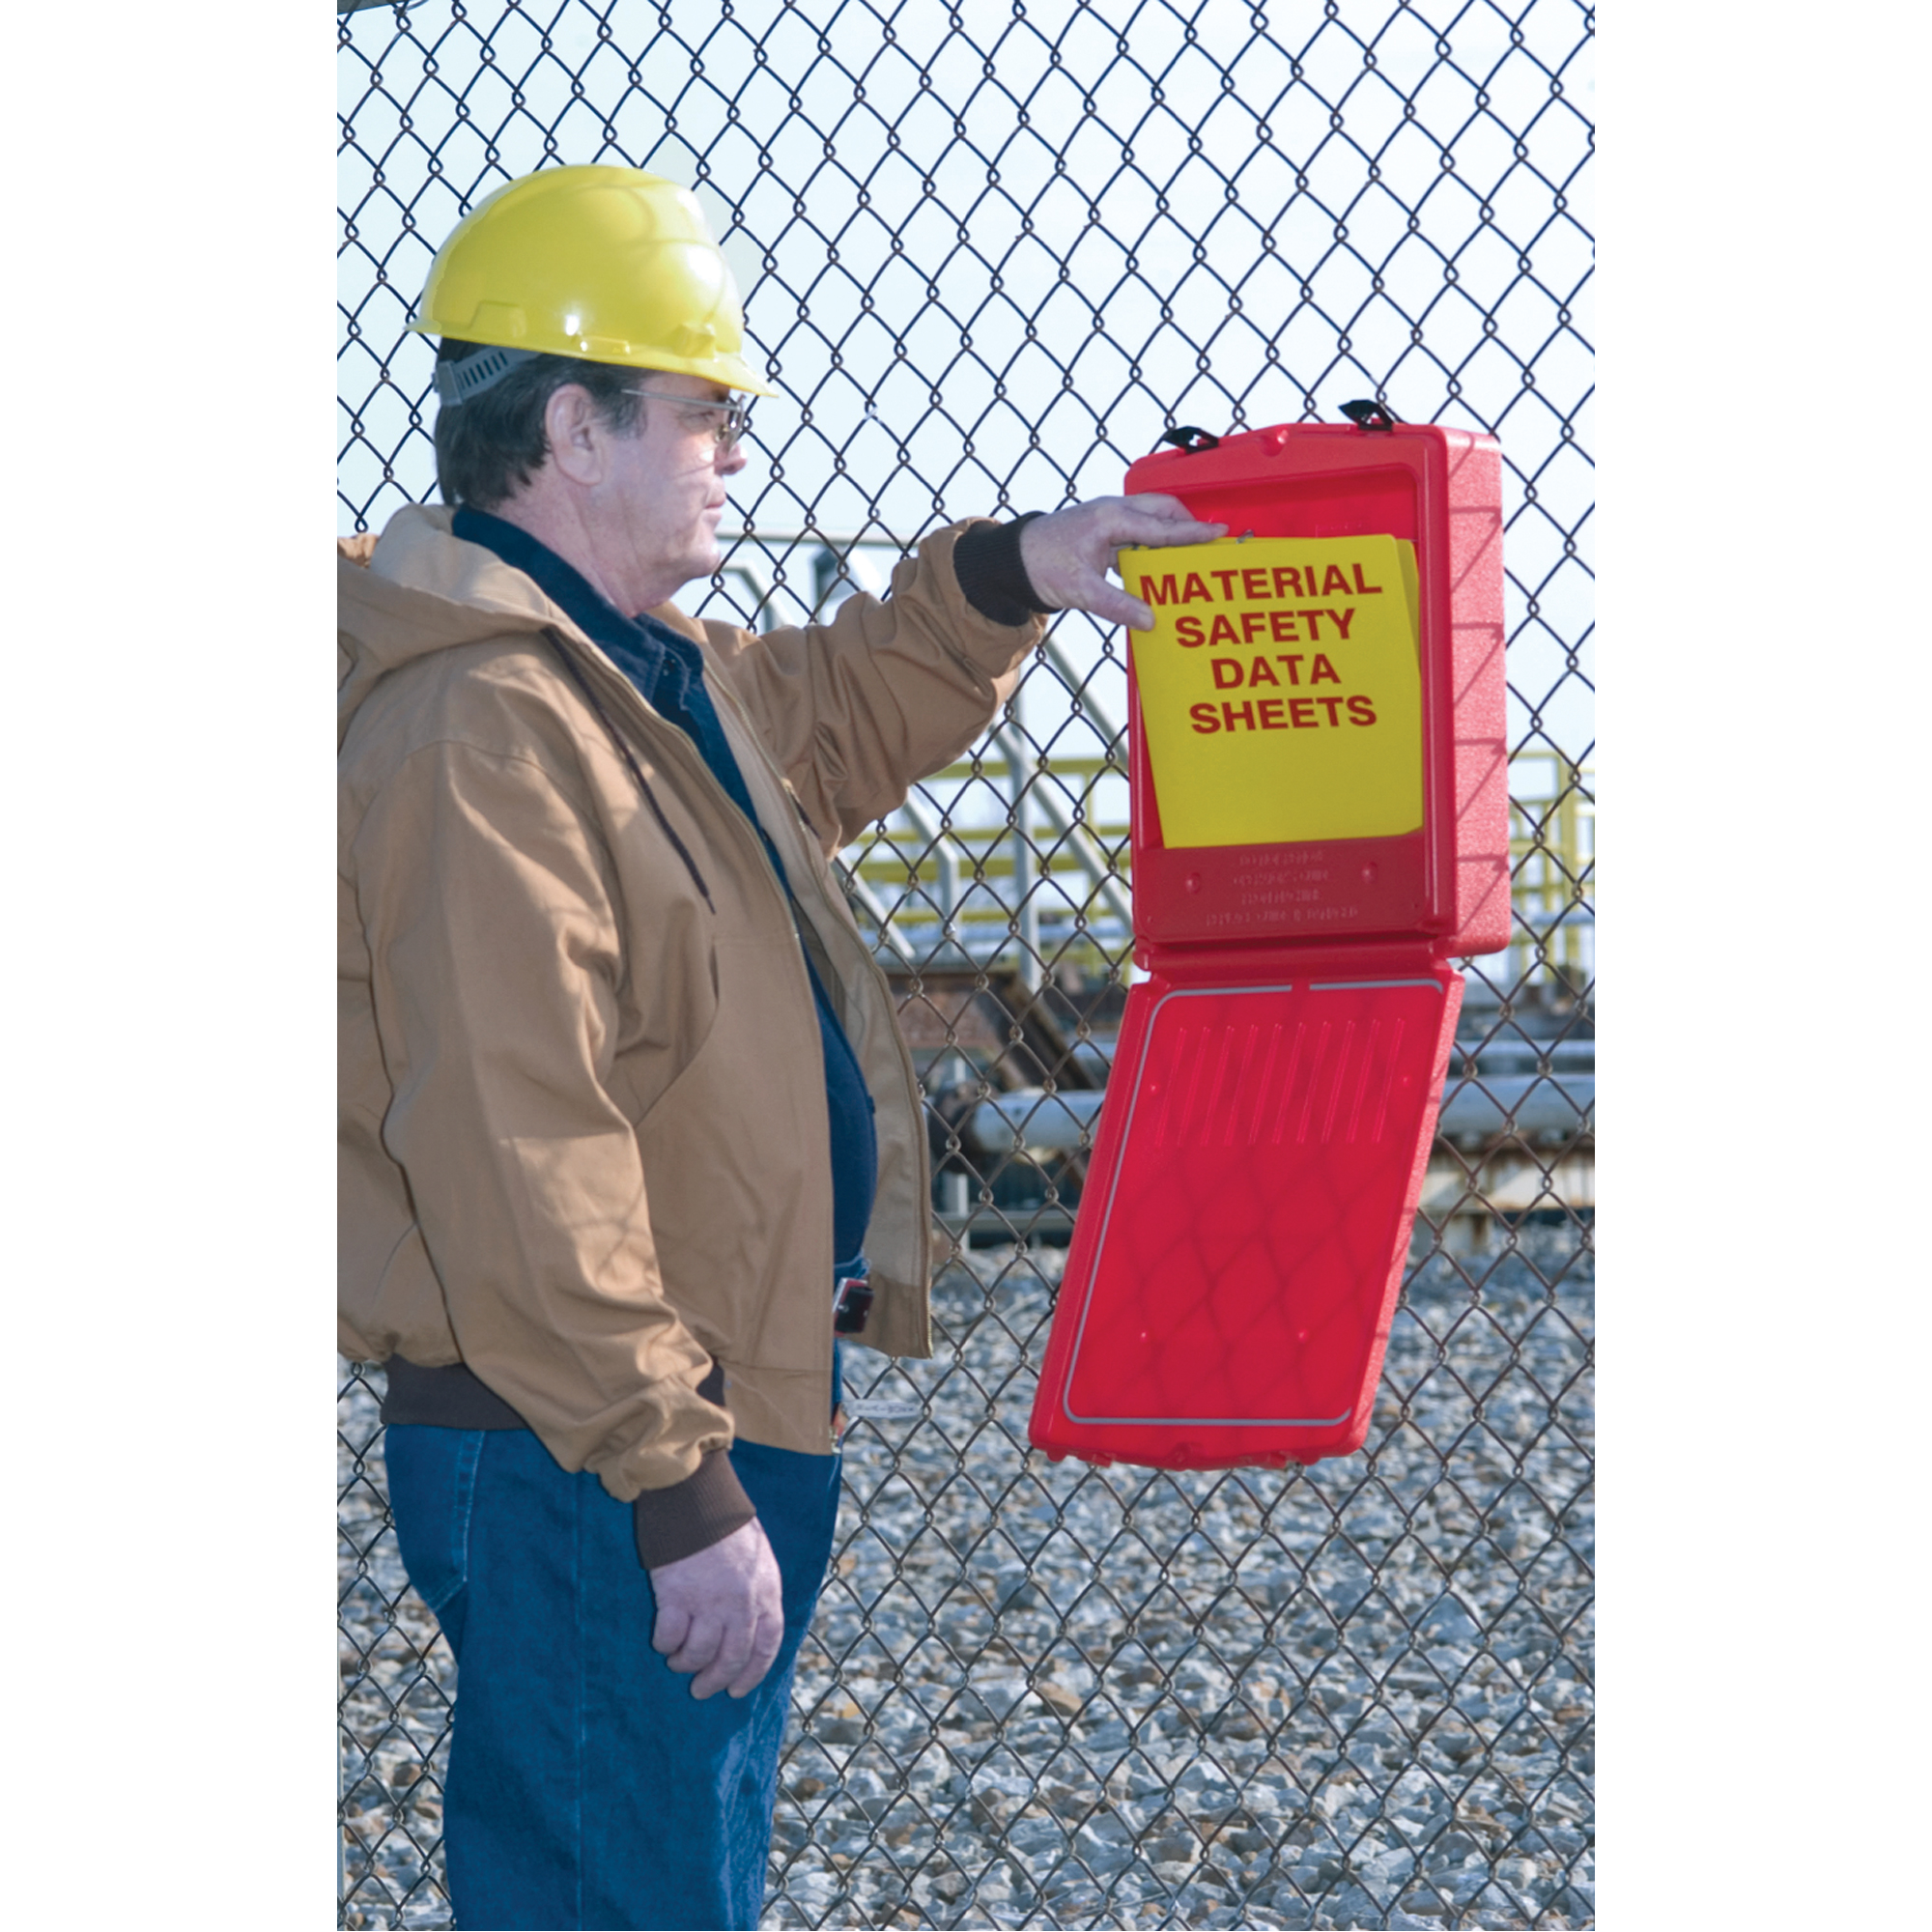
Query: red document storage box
[(1319, 825)]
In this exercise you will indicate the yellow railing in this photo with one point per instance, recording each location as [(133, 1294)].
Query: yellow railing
[(1552, 867), (939, 879)]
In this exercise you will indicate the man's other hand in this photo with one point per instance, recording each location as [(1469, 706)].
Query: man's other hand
[(1069, 553), (721, 1613)]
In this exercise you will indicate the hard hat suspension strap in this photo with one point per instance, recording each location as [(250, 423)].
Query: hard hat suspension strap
[(458, 381)]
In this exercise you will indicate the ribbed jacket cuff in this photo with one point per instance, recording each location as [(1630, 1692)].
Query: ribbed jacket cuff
[(693, 1514), (986, 561)]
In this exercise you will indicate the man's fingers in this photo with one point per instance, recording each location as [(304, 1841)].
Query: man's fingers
[(1162, 520), (703, 1640), (669, 1629), (763, 1652), (1156, 521), (1162, 535), (726, 1662), (1116, 607), (1086, 589), (1155, 503)]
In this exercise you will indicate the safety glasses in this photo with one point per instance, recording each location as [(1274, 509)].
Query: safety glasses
[(726, 421)]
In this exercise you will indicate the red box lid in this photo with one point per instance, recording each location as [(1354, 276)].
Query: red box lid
[(1245, 1221)]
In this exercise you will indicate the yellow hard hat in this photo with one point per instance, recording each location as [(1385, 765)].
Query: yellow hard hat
[(607, 264)]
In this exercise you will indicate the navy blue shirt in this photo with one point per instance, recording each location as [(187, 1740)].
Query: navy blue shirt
[(668, 671)]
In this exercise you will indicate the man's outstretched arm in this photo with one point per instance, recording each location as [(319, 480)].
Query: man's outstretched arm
[(856, 709)]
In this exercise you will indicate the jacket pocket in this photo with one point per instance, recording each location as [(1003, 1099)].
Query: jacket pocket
[(432, 1496)]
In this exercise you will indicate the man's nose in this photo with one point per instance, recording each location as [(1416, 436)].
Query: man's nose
[(731, 461)]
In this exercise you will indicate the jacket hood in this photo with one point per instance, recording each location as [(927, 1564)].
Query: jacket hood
[(417, 590), (420, 588)]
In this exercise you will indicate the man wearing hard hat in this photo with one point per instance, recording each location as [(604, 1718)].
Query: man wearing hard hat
[(629, 1135)]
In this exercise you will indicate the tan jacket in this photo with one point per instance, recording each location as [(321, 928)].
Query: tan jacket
[(583, 1142)]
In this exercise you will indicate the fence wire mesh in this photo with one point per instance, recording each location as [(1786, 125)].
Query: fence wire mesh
[(989, 255)]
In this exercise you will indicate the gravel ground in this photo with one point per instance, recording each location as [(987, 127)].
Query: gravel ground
[(1042, 1694)]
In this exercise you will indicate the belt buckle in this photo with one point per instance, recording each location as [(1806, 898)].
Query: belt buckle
[(851, 1304)]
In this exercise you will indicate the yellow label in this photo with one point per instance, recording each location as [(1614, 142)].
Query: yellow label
[(1279, 688)]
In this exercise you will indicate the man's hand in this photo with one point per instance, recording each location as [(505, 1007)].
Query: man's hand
[(721, 1613), (1067, 555)]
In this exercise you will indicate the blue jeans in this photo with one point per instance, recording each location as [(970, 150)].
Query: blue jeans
[(587, 1787)]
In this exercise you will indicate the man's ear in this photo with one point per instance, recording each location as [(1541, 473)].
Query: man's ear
[(577, 434)]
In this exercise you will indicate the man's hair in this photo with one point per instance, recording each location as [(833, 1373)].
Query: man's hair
[(489, 447)]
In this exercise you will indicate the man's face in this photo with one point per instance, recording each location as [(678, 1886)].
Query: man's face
[(667, 487)]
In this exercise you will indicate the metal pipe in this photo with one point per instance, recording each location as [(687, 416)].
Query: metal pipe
[(1030, 1118), (1529, 1106)]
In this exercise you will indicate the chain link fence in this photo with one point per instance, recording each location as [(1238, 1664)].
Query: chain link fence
[(989, 256)]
